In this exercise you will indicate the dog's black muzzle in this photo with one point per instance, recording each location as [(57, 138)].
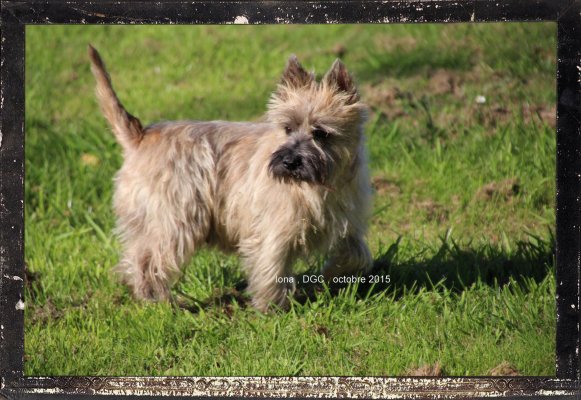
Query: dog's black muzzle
[(298, 163), (292, 162)]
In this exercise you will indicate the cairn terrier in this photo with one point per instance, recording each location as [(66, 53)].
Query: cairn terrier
[(294, 185)]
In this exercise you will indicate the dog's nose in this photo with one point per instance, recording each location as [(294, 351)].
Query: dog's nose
[(291, 162)]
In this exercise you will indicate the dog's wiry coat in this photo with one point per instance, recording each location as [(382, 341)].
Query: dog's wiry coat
[(273, 191)]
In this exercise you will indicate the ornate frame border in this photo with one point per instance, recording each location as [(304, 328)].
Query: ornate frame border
[(15, 15)]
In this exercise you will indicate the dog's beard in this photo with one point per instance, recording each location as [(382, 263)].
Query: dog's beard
[(300, 162)]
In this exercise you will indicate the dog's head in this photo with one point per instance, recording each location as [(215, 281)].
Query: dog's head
[(322, 124)]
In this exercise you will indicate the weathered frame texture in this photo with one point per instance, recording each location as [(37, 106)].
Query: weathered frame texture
[(16, 14)]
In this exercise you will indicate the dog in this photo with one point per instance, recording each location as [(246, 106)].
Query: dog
[(293, 185)]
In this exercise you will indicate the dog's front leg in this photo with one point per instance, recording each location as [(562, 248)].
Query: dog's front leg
[(350, 256), (270, 279)]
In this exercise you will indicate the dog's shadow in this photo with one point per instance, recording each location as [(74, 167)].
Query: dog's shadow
[(452, 267)]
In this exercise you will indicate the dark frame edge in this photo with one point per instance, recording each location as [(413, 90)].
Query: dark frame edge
[(284, 12), (11, 197), (15, 15), (298, 387), (568, 198)]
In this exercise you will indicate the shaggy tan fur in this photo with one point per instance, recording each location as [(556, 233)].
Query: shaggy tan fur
[(187, 184)]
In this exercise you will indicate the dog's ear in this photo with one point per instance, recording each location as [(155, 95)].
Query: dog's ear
[(294, 75), (339, 78)]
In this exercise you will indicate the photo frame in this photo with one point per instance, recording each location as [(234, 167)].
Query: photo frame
[(15, 15)]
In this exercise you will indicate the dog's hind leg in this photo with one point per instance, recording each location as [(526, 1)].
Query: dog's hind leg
[(150, 268), (350, 256), (155, 247)]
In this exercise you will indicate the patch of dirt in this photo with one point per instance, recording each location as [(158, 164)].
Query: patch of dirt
[(339, 50), (322, 330), (504, 369), (443, 81), (496, 114), (434, 211), (489, 115), (426, 370), (385, 187), (546, 114), (383, 98), (48, 312), (505, 190)]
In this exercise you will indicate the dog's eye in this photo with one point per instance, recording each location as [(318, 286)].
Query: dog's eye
[(320, 134), (288, 130)]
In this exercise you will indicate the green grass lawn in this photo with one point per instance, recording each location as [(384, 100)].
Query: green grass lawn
[(462, 145)]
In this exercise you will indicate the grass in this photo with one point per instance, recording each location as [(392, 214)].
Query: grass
[(462, 225)]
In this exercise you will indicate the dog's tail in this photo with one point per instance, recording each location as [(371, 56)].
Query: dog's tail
[(127, 129)]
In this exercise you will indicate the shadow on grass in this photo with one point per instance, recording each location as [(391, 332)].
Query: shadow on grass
[(453, 267)]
